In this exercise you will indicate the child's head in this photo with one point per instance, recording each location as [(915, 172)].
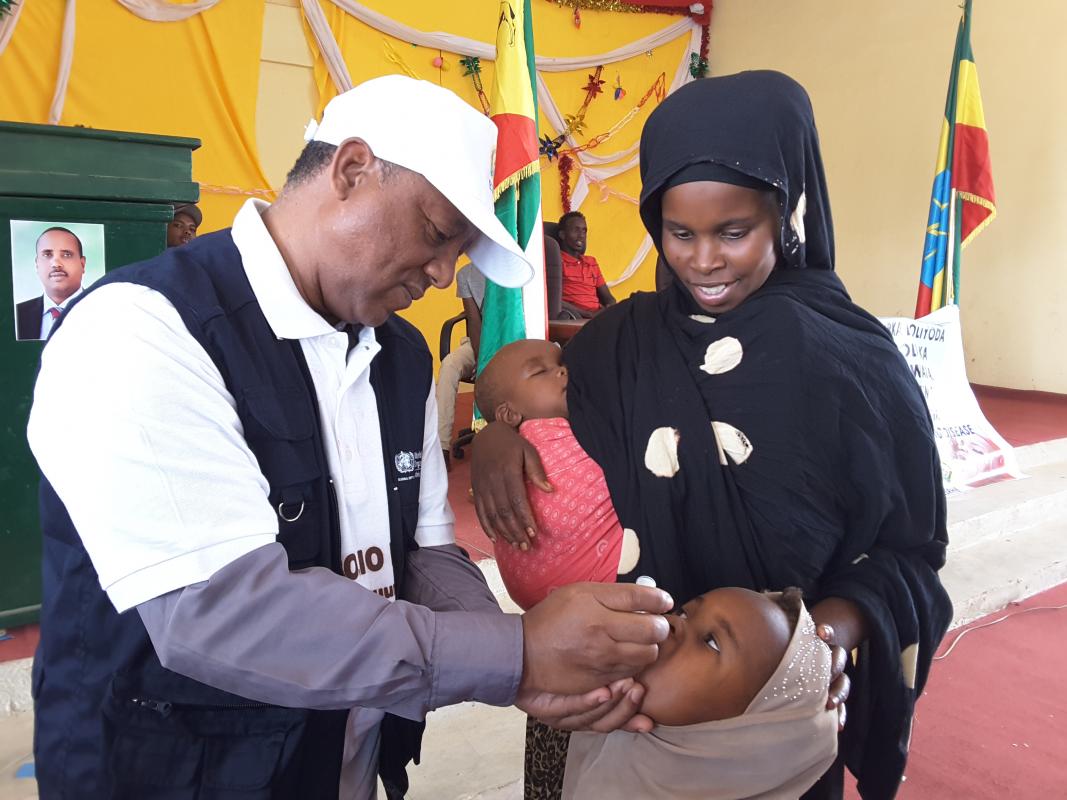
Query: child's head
[(739, 695), (524, 380), (723, 648)]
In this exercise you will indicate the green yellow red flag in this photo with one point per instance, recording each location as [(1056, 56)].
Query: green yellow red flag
[(510, 314), (963, 201)]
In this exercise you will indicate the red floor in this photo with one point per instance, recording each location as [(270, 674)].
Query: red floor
[(992, 723), (1024, 417)]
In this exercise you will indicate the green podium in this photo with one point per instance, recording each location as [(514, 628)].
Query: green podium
[(109, 195)]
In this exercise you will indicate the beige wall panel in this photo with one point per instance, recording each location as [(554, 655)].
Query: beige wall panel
[(877, 73)]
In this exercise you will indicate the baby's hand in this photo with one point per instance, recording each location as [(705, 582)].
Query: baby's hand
[(840, 685)]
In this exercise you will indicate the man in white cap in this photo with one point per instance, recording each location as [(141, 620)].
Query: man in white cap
[(251, 584)]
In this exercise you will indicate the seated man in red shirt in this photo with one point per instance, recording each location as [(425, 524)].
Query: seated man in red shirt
[(585, 291)]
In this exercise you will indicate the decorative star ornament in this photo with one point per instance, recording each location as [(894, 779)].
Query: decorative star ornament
[(698, 67), (550, 147), (471, 65), (593, 87), (575, 123)]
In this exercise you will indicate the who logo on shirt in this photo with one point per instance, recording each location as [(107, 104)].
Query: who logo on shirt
[(408, 465)]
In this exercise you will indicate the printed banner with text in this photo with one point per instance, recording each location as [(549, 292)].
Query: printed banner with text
[(972, 452)]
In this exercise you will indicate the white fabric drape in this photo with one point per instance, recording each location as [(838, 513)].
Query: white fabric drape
[(164, 10), (66, 57), (327, 44), (8, 23), (639, 257)]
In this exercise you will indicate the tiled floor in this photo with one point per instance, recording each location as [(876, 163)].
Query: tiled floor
[(16, 738)]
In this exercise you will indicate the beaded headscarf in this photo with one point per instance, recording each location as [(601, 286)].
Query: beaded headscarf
[(778, 748)]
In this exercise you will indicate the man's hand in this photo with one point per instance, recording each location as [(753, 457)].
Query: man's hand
[(602, 710), (502, 462), (585, 636)]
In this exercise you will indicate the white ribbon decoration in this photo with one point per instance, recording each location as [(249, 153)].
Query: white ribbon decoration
[(66, 56), (164, 10), (324, 38)]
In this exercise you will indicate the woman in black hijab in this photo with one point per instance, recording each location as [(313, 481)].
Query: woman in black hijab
[(756, 427)]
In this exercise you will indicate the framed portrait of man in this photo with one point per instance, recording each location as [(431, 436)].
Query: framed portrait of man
[(51, 264)]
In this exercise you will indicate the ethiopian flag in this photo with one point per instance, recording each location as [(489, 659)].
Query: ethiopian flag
[(510, 314), (963, 202)]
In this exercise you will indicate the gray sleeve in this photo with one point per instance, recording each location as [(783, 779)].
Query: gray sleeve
[(463, 286), (444, 578), (314, 639)]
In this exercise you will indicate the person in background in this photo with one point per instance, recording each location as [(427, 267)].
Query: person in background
[(585, 291), (462, 362), (182, 229), (60, 263)]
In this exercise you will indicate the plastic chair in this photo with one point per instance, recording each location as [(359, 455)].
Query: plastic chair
[(553, 271)]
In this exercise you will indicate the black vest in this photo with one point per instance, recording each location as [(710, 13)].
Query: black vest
[(111, 721)]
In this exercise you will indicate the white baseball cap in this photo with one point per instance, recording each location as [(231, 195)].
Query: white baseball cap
[(429, 130)]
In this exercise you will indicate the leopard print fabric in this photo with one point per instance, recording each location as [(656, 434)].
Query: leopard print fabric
[(546, 759)]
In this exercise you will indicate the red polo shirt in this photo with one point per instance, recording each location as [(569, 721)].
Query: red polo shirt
[(581, 278)]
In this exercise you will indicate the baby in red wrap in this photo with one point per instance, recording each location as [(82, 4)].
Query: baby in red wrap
[(580, 539)]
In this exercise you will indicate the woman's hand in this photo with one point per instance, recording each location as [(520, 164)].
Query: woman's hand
[(502, 463), (840, 684), (842, 625)]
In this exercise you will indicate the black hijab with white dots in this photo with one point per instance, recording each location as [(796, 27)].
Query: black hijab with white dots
[(783, 442)]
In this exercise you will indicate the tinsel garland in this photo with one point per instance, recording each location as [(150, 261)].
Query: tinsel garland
[(658, 89), (618, 5), (698, 65), (632, 8), (566, 163), (606, 192), (472, 66)]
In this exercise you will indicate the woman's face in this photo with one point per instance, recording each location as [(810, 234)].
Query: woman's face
[(720, 240)]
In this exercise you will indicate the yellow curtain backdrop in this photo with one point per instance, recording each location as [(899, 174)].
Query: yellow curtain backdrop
[(32, 55), (194, 78), (615, 230)]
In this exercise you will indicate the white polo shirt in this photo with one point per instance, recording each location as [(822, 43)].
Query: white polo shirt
[(135, 429)]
